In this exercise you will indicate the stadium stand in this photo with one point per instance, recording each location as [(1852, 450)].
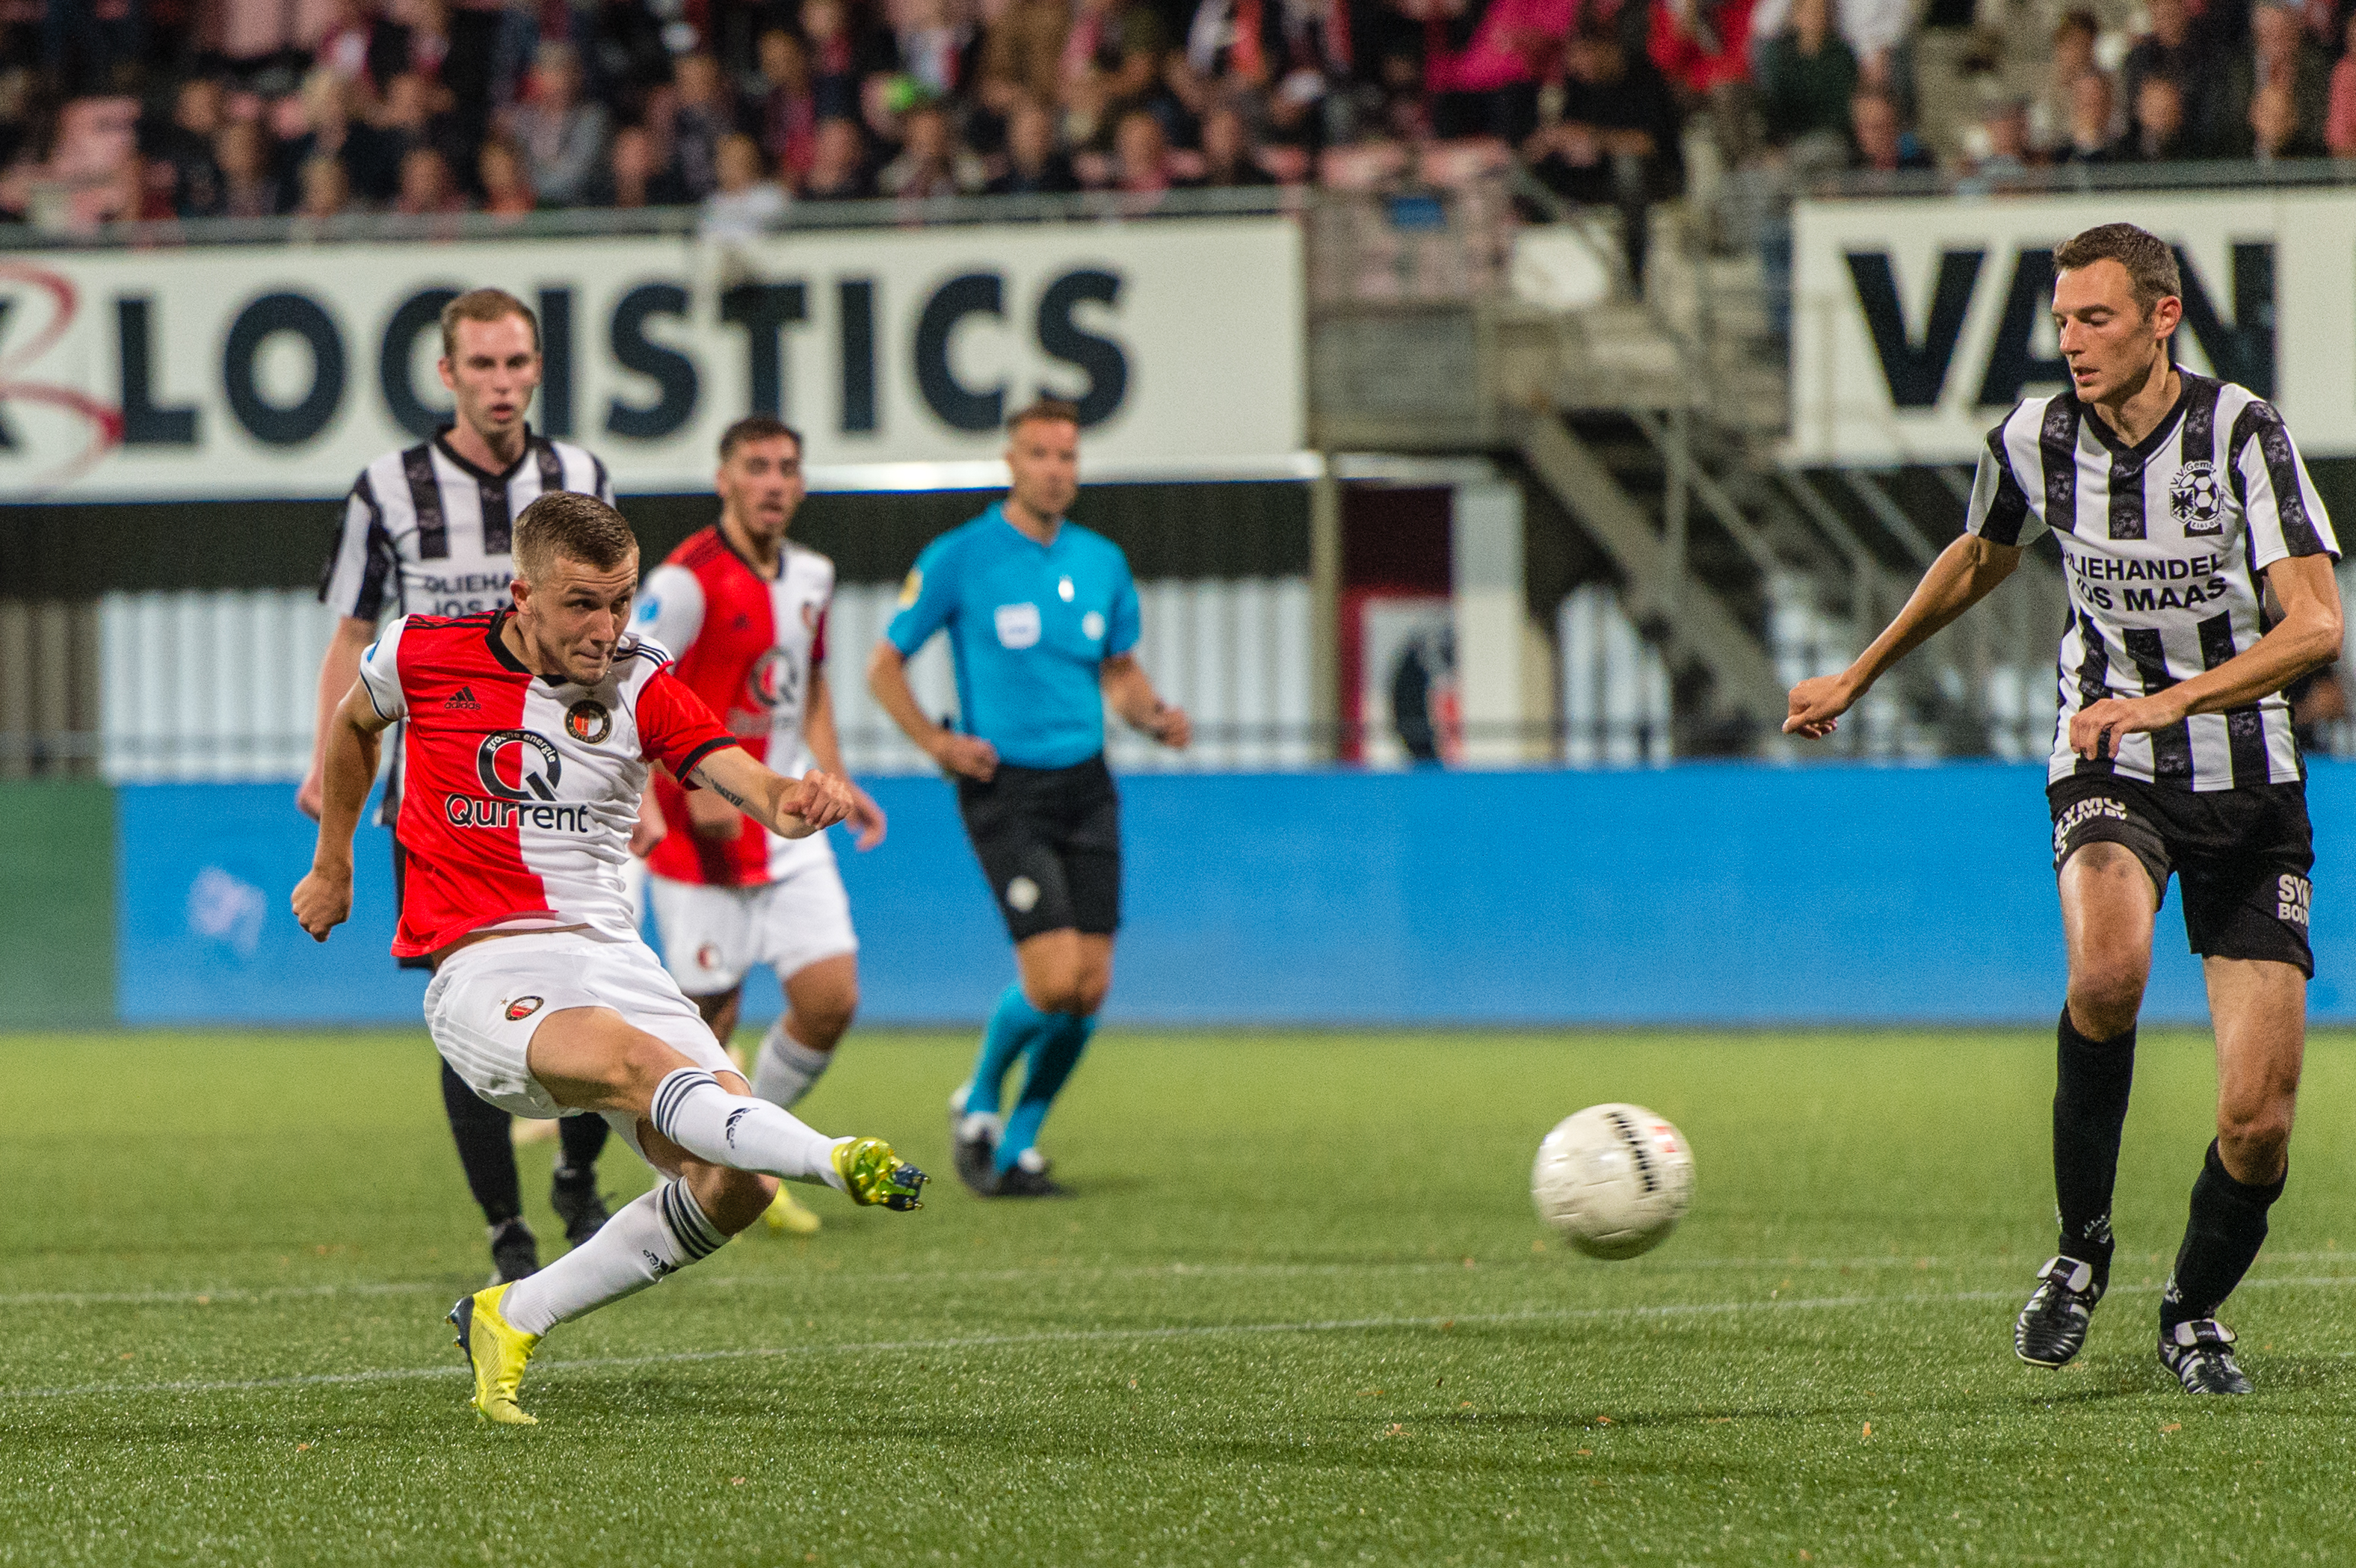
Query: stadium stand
[(175, 109)]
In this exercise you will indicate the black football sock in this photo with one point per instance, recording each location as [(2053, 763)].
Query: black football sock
[(581, 1138), (2221, 1237), (2089, 1109), (485, 1148)]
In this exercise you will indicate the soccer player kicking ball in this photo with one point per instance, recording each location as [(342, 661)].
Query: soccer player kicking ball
[(2178, 502), (1041, 616), (429, 529), (517, 823), (744, 613)]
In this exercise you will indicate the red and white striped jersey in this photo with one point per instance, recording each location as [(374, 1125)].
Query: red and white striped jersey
[(748, 647), (522, 790)]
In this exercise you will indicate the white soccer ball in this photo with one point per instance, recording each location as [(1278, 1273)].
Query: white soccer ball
[(1614, 1179)]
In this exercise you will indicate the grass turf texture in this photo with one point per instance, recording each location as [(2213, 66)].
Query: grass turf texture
[(1300, 1310)]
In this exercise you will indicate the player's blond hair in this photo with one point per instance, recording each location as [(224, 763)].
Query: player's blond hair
[(483, 304), (567, 524)]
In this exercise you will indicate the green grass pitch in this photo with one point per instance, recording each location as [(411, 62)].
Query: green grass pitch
[(1299, 1312)]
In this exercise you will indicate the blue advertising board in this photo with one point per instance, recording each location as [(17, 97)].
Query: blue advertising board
[(1693, 894)]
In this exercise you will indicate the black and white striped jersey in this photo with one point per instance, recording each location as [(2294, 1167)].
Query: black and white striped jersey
[(2165, 544), (427, 533)]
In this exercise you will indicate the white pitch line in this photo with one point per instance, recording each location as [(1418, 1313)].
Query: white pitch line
[(223, 1296), (1107, 1335), (231, 1294), (234, 1295)]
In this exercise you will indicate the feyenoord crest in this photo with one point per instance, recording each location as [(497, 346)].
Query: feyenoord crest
[(522, 1007), (587, 721), (2196, 499)]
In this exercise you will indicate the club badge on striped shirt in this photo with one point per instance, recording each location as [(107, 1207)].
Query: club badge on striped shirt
[(588, 722), (2195, 498)]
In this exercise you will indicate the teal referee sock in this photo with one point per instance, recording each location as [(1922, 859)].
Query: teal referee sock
[(1051, 1066), (1015, 1026)]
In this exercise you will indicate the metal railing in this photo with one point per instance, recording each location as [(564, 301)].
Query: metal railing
[(590, 223), (2072, 180)]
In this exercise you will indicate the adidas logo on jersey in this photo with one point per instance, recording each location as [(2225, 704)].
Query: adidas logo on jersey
[(464, 699)]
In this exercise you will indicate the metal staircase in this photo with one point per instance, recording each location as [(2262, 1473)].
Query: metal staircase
[(1655, 426)]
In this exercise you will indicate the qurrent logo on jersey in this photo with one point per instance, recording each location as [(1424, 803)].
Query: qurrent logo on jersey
[(530, 802)]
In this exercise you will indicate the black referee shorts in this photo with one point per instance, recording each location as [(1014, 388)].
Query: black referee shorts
[(1049, 842), (2243, 853)]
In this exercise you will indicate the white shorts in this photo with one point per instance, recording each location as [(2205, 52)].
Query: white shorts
[(487, 1001), (711, 936)]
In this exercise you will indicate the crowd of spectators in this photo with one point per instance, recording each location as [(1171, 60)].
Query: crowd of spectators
[(155, 108), (2260, 82)]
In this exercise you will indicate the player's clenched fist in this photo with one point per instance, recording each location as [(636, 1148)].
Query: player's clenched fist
[(1817, 704), (322, 902), (819, 799)]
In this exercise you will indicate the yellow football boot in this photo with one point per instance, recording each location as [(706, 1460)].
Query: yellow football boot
[(496, 1353), (788, 1216), (872, 1173)]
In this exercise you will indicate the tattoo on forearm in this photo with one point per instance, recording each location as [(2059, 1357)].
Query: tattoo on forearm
[(724, 792)]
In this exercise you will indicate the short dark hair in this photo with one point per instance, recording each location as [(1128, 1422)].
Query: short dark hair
[(483, 304), (577, 527), (2150, 264), (1045, 408), (758, 427)]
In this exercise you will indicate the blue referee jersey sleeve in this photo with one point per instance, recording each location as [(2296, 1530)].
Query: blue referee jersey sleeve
[(927, 598), (1128, 624)]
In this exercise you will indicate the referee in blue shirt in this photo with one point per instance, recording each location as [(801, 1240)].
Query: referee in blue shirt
[(1042, 617)]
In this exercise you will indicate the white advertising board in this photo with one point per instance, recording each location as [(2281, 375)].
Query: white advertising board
[(1917, 323), (231, 372)]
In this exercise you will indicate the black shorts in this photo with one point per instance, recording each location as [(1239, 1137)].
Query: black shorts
[(1049, 842), (2244, 853)]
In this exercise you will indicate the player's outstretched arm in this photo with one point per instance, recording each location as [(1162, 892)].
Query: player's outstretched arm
[(1965, 573), (887, 677), (791, 808), (338, 669), (2307, 638), (1130, 691), (323, 900)]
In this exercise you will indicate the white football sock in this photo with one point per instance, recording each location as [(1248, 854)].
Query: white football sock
[(694, 1112), (660, 1232), (786, 1069)]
